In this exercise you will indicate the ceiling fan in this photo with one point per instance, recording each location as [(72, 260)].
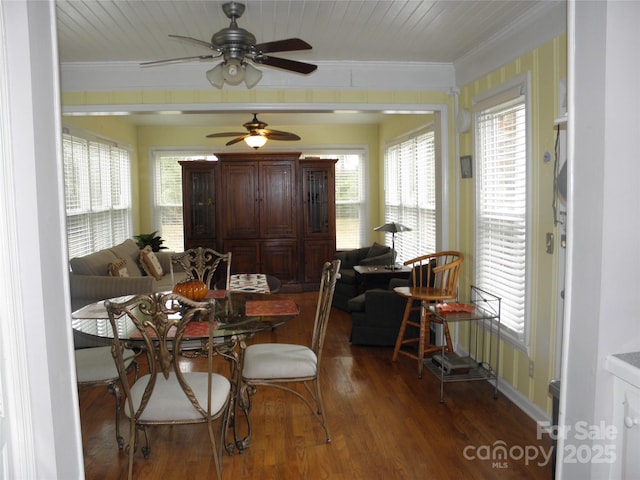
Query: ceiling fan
[(257, 136), (236, 46)]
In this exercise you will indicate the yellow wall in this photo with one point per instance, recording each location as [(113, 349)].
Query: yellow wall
[(547, 65)]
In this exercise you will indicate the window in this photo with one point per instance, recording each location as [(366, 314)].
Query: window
[(167, 195), (501, 178), (352, 226), (97, 181), (410, 193)]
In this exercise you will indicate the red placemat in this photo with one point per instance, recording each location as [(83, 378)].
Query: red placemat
[(455, 308), (192, 330), (257, 308)]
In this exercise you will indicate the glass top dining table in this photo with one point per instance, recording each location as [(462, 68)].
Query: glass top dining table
[(240, 315)]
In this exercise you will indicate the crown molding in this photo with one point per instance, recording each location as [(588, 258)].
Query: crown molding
[(543, 24), (126, 76)]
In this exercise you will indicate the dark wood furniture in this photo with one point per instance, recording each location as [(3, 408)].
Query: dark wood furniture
[(378, 276), (275, 212), (318, 215), (199, 203)]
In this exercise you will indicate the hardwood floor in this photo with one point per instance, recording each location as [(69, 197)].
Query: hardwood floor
[(385, 423)]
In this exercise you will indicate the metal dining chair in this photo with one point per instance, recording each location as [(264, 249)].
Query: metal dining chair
[(95, 366), (202, 264), (282, 365), (166, 395)]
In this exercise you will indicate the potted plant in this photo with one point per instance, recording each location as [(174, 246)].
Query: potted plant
[(152, 239)]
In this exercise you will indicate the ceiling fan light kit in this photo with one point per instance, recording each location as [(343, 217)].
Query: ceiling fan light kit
[(257, 136), (251, 75), (255, 141), (237, 46)]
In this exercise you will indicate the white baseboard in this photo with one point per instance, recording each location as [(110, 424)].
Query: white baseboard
[(522, 402)]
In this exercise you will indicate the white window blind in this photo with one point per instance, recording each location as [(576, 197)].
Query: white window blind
[(352, 227), (97, 180), (167, 196), (501, 206), (410, 193)]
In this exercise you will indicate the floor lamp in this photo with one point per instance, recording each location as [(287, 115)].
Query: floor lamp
[(392, 228)]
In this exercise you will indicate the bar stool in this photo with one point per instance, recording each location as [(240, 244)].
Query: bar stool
[(434, 278)]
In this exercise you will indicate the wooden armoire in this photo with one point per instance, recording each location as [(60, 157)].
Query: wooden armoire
[(275, 212)]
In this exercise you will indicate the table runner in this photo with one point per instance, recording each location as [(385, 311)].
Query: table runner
[(249, 282)]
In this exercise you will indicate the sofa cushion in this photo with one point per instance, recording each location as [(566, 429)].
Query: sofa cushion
[(350, 258), (129, 251), (150, 263), (376, 250), (118, 268), (93, 264)]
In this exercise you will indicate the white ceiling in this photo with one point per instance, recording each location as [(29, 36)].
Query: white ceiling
[(441, 31), (366, 30)]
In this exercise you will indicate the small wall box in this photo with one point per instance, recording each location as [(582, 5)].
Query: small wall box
[(466, 170)]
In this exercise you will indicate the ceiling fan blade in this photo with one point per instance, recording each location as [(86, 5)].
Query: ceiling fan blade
[(225, 134), (279, 135), (286, 64), (236, 140), (288, 45), (181, 59), (290, 137), (202, 43)]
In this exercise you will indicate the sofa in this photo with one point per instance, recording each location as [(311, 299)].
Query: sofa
[(120, 270), (347, 285)]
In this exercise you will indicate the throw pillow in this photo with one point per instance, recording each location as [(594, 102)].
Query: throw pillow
[(150, 263), (376, 250), (118, 268)]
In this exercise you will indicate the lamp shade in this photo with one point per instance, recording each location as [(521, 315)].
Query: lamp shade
[(251, 75), (255, 141), (215, 76), (393, 227)]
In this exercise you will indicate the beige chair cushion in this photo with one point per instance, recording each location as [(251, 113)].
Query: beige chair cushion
[(96, 364), (169, 402), (150, 263), (270, 361), (118, 268)]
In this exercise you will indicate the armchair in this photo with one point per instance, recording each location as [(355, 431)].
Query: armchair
[(376, 315), (347, 286)]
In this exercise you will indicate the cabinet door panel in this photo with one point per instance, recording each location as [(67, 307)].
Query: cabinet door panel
[(277, 199), (318, 195), (199, 204), (278, 259), (245, 256), (239, 205), (316, 253)]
